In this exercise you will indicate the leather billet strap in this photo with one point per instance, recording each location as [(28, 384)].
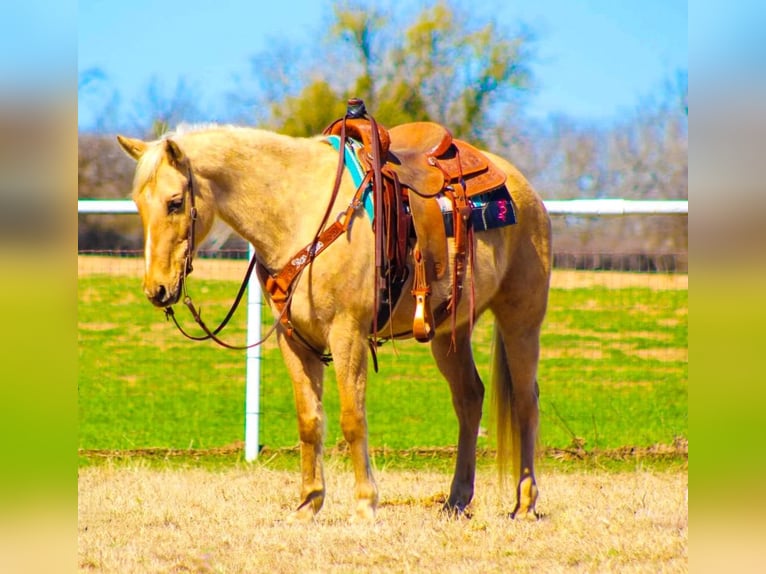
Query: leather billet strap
[(464, 252)]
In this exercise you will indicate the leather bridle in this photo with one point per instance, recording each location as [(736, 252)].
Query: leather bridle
[(192, 222), (280, 286), (188, 268)]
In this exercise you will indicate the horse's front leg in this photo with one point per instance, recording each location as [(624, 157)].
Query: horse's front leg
[(457, 365), (349, 350), (306, 372)]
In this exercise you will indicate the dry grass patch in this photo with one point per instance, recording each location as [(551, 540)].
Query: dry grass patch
[(589, 350), (571, 279), (234, 269), (137, 519), (225, 269), (669, 355)]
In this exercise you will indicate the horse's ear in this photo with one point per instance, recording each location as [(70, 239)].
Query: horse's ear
[(176, 156), (133, 147)]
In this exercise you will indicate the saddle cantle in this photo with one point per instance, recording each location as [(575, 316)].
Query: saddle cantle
[(427, 159), (418, 162)]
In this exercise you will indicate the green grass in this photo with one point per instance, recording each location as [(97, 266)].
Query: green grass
[(614, 369), (614, 373)]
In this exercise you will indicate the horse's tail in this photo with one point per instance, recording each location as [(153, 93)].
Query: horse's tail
[(505, 420)]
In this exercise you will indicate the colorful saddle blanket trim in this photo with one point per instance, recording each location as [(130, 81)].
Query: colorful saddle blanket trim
[(354, 167), (488, 210)]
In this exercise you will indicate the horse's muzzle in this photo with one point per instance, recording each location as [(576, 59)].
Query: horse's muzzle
[(163, 296)]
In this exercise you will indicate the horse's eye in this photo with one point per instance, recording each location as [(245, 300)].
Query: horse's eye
[(175, 205)]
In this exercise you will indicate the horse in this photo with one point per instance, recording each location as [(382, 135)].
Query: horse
[(275, 190)]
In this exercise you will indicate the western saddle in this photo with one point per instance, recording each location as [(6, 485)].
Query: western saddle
[(409, 166)]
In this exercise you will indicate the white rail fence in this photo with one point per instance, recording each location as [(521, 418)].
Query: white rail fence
[(555, 207), (599, 207)]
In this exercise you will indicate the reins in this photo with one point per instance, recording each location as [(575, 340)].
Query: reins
[(188, 268)]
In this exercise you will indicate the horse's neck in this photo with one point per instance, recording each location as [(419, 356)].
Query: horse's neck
[(268, 188)]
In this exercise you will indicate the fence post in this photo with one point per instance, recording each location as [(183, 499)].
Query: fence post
[(253, 369)]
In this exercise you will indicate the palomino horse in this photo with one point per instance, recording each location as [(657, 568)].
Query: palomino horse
[(274, 190)]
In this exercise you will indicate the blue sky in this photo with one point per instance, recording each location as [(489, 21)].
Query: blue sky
[(595, 58)]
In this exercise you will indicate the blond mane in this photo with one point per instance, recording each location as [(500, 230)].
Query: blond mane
[(150, 161)]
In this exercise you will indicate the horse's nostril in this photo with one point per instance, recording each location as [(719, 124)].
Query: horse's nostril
[(161, 293)]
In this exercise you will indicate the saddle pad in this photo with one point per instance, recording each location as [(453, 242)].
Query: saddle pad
[(488, 211), (354, 167)]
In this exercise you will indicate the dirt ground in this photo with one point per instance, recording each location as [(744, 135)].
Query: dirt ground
[(235, 270), (137, 519)]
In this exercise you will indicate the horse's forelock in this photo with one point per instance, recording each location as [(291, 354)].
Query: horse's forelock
[(150, 161), (148, 164)]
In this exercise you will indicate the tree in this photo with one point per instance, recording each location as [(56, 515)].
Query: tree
[(641, 156), (458, 76), (443, 66), (308, 112)]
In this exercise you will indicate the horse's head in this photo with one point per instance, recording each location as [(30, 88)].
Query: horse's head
[(169, 200)]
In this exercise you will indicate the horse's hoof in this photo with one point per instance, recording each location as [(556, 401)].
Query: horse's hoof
[(305, 513), (308, 508), (455, 511), (301, 516), (526, 494), (530, 515), (364, 514)]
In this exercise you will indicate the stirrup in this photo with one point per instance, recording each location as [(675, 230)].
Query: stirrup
[(423, 323)]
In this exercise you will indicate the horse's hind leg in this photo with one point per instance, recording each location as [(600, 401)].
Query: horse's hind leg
[(457, 366), (519, 353), (515, 385), (306, 372)]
